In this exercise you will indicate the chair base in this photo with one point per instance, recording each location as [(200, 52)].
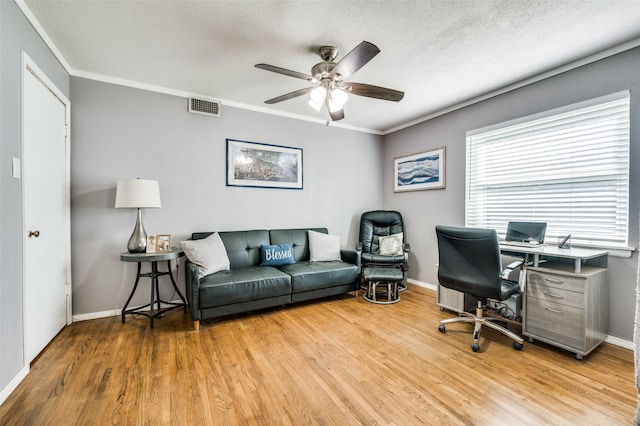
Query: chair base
[(391, 291), (479, 320)]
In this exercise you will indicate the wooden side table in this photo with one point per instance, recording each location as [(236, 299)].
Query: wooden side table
[(155, 304)]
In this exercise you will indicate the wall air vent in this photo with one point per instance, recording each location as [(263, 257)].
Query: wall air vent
[(205, 106)]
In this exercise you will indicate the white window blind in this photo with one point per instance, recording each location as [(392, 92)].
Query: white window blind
[(568, 167)]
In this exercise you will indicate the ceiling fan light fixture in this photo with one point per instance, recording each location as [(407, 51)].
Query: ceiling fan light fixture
[(317, 94), (315, 105), (339, 97)]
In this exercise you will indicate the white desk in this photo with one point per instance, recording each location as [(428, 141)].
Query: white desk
[(565, 299), (579, 256)]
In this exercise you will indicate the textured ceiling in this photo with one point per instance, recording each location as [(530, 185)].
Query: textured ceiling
[(440, 53)]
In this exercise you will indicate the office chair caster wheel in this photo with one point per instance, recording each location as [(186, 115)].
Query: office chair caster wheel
[(517, 346), (441, 328), (475, 347)]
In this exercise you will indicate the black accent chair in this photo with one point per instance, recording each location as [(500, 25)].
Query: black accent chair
[(374, 225), (470, 263)]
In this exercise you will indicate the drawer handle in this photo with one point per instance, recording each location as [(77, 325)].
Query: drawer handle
[(555, 311), (551, 280), (554, 295)]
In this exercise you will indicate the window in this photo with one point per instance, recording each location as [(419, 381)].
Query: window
[(567, 167)]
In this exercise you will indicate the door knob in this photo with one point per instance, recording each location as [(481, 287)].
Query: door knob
[(35, 233)]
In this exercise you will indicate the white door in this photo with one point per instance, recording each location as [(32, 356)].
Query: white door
[(45, 198)]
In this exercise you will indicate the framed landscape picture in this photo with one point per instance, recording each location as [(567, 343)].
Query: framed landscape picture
[(425, 170), (264, 166)]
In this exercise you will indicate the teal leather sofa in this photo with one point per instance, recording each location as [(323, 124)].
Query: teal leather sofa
[(248, 286)]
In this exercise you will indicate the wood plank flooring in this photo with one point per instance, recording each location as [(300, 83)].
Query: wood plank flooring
[(338, 361)]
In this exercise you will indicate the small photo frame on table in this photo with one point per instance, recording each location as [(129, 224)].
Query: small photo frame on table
[(424, 170), (152, 244), (163, 243)]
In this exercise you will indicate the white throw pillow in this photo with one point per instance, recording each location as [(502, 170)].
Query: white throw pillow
[(391, 245), (323, 247), (208, 254)]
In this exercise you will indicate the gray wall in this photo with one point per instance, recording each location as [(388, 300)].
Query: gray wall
[(16, 35), (120, 132), (423, 210)]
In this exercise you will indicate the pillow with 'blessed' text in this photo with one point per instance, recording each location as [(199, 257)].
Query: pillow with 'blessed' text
[(276, 255)]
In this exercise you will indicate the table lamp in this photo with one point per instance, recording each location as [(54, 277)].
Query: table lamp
[(138, 193)]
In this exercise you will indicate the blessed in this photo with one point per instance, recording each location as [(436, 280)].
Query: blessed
[(275, 254)]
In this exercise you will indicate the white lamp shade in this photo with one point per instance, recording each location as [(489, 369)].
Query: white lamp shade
[(137, 193)]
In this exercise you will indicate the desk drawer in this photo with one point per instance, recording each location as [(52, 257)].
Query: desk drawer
[(571, 283), (554, 321), (556, 295)]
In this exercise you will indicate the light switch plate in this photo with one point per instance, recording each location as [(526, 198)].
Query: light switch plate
[(16, 168)]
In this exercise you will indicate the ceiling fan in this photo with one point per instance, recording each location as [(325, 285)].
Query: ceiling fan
[(330, 88)]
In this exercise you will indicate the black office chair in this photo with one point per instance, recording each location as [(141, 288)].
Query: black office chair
[(470, 263), (375, 225)]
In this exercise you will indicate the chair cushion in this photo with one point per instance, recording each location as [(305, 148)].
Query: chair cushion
[(508, 289), (374, 224), (378, 259), (307, 276), (382, 274)]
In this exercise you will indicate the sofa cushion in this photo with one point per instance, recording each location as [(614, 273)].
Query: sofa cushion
[(243, 285), (276, 255), (323, 247), (208, 254), (308, 276)]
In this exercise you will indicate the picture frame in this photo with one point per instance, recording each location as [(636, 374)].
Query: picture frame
[(253, 164), (151, 244), (163, 243), (421, 171)]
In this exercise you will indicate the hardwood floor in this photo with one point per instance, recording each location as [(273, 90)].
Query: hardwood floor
[(339, 361)]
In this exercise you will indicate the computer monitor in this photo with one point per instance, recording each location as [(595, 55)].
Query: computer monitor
[(527, 232)]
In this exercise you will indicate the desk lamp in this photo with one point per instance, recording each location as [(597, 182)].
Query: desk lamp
[(138, 193)]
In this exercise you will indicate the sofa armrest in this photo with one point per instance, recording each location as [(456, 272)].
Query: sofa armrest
[(351, 256), (192, 283)]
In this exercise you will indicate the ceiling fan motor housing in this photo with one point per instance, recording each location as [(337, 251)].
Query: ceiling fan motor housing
[(322, 70), (328, 53)]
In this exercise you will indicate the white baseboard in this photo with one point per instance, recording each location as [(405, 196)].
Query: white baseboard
[(628, 344), (96, 315), (13, 384), (106, 314), (421, 284)]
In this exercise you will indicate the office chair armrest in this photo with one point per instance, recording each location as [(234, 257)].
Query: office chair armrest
[(515, 264), (407, 247), (359, 246), (510, 268)]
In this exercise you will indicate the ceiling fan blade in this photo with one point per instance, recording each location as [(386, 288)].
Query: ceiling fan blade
[(377, 92), (356, 59), (285, 71), (289, 96), (335, 115)]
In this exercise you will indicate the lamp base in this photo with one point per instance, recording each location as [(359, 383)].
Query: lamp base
[(138, 241)]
